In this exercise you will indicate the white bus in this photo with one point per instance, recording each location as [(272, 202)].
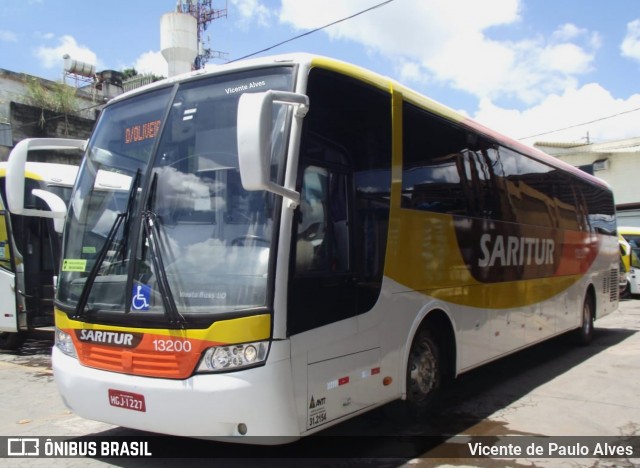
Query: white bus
[(30, 250), (302, 241), (630, 249)]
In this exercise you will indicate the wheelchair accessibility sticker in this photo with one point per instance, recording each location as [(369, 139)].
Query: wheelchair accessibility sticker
[(141, 297)]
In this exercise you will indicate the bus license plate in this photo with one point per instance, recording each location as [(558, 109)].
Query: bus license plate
[(127, 400)]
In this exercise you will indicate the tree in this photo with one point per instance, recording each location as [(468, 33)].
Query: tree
[(132, 72), (58, 97), (129, 73)]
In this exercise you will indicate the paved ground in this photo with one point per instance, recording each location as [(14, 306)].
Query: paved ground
[(553, 389)]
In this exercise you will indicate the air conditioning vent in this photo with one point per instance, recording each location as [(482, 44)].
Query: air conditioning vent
[(613, 285)]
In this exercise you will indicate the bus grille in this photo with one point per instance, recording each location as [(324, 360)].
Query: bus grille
[(169, 365), (610, 285)]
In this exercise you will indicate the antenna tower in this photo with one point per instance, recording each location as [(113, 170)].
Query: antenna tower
[(204, 12)]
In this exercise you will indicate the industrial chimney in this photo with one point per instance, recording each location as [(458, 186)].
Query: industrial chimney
[(179, 41)]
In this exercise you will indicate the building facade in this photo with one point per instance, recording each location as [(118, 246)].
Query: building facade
[(616, 162), (20, 118)]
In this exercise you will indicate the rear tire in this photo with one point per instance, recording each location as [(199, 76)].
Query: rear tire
[(584, 334)]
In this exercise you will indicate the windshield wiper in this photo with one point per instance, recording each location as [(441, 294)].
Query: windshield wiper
[(152, 233), (93, 273)]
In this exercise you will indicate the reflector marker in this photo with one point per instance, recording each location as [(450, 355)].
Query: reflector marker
[(338, 382)]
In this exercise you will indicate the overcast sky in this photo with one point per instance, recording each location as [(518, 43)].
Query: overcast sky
[(527, 68)]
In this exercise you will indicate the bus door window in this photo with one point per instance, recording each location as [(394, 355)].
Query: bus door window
[(338, 222), (311, 219), (323, 233), (340, 229), (324, 289)]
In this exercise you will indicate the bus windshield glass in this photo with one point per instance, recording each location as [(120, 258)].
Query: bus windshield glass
[(159, 224)]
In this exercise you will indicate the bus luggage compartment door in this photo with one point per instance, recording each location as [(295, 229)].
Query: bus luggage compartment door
[(8, 312), (342, 385)]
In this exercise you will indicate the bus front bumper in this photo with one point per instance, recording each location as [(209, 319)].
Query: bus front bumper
[(249, 406)]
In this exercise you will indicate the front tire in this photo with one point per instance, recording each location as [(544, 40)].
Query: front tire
[(625, 293), (11, 341), (424, 374), (584, 334)]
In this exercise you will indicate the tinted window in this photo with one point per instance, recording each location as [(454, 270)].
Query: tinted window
[(340, 229), (433, 163)]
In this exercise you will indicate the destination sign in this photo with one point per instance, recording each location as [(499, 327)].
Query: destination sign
[(141, 132)]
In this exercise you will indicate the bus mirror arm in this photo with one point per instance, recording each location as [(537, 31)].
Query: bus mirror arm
[(56, 205), (255, 130), (16, 171)]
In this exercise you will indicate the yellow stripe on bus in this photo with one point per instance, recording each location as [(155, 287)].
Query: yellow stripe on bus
[(424, 256), (239, 330)]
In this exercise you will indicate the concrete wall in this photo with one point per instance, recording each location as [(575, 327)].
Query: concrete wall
[(13, 88), (33, 122)]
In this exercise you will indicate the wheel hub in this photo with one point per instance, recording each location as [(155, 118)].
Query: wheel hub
[(423, 372)]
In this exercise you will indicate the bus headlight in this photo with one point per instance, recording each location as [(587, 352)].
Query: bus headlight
[(65, 343), (232, 357)]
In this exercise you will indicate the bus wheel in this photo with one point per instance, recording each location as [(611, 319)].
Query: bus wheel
[(625, 293), (424, 373), (584, 334), (11, 340)]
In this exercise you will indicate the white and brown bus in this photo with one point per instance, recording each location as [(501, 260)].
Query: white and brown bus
[(302, 240)]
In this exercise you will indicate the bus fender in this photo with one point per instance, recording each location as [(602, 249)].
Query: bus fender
[(437, 313)]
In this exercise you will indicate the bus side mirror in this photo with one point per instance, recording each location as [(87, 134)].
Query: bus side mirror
[(16, 175), (56, 205), (255, 131)]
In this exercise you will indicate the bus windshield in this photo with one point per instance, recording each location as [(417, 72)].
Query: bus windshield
[(159, 224)]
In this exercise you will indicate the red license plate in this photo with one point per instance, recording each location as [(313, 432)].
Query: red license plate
[(127, 400)]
